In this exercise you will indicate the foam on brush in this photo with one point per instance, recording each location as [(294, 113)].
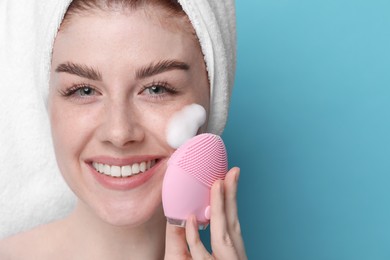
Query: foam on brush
[(185, 124)]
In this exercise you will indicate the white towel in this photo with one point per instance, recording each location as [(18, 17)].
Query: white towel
[(32, 191), (215, 25)]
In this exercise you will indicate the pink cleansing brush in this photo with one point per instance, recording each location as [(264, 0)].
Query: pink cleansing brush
[(192, 170)]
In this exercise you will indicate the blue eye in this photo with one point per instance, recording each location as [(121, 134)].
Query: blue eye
[(156, 90), (85, 91), (81, 91)]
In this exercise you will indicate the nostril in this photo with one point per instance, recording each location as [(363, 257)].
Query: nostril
[(120, 123), (121, 135)]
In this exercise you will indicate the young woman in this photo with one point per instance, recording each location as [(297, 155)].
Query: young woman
[(119, 71)]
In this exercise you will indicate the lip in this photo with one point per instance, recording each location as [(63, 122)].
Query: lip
[(123, 183)]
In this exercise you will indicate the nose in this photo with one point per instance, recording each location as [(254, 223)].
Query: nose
[(121, 125)]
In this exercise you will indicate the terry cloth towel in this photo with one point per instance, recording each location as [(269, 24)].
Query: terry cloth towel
[(32, 191)]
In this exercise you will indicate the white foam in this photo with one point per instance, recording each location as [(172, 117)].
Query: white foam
[(185, 124)]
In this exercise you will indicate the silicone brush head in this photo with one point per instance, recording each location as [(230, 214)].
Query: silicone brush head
[(192, 170)]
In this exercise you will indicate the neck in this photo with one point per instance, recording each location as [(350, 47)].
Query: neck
[(100, 240)]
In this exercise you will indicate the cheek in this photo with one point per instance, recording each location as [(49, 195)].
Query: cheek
[(155, 121), (69, 130)]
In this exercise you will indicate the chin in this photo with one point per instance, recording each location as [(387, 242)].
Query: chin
[(130, 215)]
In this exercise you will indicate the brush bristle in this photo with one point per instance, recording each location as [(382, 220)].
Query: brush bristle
[(204, 157)]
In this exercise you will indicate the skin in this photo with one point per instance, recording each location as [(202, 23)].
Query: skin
[(115, 115)]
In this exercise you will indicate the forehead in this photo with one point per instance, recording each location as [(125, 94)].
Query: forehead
[(171, 20), (117, 40), (130, 28), (148, 19)]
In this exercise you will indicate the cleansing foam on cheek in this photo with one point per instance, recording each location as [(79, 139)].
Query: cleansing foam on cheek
[(192, 168), (185, 124)]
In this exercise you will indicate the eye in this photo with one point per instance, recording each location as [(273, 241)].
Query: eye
[(79, 91), (85, 91), (158, 90)]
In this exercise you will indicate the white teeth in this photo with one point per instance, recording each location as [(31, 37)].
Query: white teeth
[(126, 171), (135, 168), (107, 169), (116, 171), (123, 171), (142, 166)]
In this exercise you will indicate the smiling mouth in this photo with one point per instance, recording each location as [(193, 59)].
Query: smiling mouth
[(125, 170)]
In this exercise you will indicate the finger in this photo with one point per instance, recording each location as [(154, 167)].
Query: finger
[(233, 224), (230, 185), (197, 249), (175, 243), (221, 241)]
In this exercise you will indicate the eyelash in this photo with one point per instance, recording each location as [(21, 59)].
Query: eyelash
[(69, 92), (162, 84)]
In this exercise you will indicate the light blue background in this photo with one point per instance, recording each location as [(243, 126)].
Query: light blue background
[(310, 128)]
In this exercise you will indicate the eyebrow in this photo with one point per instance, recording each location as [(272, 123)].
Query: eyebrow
[(144, 72), (79, 70), (160, 67)]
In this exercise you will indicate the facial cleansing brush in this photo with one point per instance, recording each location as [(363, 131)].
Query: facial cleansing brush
[(191, 171)]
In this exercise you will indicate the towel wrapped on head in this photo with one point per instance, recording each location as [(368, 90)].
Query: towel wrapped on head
[(32, 191)]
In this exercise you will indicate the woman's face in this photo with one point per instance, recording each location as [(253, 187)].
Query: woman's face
[(116, 79)]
